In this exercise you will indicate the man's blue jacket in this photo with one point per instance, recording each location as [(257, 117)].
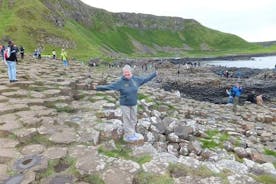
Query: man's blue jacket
[(128, 88)]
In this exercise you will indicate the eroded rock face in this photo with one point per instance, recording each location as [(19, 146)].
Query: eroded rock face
[(58, 118)]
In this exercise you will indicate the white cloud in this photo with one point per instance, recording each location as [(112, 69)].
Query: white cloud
[(253, 20)]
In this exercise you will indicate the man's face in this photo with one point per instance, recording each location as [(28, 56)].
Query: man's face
[(127, 74)]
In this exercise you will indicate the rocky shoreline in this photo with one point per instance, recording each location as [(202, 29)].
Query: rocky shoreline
[(55, 129), (227, 58), (208, 84)]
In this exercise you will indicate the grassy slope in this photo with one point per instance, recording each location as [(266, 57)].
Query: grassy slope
[(25, 24)]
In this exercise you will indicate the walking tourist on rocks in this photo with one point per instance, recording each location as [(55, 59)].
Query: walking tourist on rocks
[(128, 86), (64, 58), (230, 95), (54, 54), (10, 58), (22, 50), (237, 91)]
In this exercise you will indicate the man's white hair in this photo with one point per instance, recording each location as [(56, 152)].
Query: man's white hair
[(127, 68)]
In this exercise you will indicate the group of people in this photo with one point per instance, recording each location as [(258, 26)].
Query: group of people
[(20, 50), (63, 55), (235, 92), (254, 98), (9, 57), (127, 85)]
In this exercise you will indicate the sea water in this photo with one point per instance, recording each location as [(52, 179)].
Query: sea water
[(267, 62)]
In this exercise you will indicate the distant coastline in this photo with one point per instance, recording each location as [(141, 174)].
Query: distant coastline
[(229, 58)]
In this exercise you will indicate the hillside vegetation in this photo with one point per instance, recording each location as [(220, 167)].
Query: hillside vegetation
[(90, 32)]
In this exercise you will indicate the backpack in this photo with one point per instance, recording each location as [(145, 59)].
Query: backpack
[(7, 53)]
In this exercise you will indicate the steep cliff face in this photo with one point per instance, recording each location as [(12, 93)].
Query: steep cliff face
[(97, 32)]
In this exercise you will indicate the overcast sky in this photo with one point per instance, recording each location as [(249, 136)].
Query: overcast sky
[(253, 20)]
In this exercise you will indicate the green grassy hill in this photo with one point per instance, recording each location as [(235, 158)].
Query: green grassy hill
[(89, 32)]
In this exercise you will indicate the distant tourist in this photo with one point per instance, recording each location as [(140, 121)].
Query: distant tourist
[(230, 96), (54, 54), (226, 73), (259, 100), (265, 76), (239, 75), (37, 54), (2, 48), (21, 50), (10, 58), (178, 70), (64, 58), (128, 86)]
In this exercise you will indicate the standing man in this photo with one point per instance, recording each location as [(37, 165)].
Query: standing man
[(10, 58), (128, 86), (237, 91), (64, 57)]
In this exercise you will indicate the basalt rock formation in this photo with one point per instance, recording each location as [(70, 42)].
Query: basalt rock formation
[(55, 129)]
